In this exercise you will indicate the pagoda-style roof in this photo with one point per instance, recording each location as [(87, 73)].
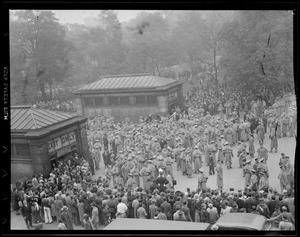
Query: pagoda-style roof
[(29, 118)]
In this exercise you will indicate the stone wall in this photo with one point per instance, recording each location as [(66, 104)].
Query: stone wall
[(40, 160), (20, 169)]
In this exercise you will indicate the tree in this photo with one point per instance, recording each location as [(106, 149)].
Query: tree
[(98, 50), (258, 49), (40, 39), (197, 37), (149, 48)]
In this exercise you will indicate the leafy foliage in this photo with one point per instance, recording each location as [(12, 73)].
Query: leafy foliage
[(242, 49)]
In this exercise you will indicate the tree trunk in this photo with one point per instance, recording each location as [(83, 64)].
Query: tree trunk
[(42, 88), (216, 72), (24, 96)]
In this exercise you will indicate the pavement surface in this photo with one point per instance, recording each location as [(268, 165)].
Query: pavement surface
[(233, 178)]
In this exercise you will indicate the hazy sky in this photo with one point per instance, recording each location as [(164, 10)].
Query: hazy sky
[(78, 16)]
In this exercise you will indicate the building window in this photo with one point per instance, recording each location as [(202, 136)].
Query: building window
[(113, 101), (22, 150), (99, 101), (124, 100), (88, 101), (151, 99), (140, 100)]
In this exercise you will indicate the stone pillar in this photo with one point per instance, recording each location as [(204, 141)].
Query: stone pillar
[(162, 104)]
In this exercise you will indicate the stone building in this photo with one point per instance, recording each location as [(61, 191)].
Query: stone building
[(129, 96), (40, 137)]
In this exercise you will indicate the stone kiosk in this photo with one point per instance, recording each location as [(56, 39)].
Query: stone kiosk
[(129, 96), (39, 137)]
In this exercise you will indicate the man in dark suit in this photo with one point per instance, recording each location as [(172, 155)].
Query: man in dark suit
[(186, 211), (26, 213), (106, 157), (249, 202), (166, 208), (272, 204), (58, 182), (161, 181), (240, 202)]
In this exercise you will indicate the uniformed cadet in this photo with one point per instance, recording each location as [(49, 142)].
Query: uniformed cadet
[(262, 152)]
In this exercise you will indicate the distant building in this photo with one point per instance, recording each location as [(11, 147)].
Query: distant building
[(129, 96), (40, 137)]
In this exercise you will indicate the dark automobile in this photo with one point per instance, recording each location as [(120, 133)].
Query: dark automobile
[(243, 221)]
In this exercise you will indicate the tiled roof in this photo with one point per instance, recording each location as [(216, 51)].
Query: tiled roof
[(136, 81), (27, 118)]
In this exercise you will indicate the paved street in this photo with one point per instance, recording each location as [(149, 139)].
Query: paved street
[(232, 177)]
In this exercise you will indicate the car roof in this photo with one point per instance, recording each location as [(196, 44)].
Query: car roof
[(152, 224), (242, 220)]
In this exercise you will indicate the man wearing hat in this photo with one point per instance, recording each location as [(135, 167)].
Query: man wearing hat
[(95, 216), (251, 145), (219, 171), (202, 180), (145, 177), (97, 153), (247, 171), (213, 214), (106, 157), (284, 214), (262, 208), (290, 172), (239, 148), (227, 151), (260, 131), (262, 152), (285, 224), (169, 164), (263, 182), (262, 167), (197, 159), (253, 180), (284, 182), (125, 169), (273, 137), (213, 150), (161, 164), (130, 183), (65, 217), (179, 216), (242, 157), (229, 135), (282, 160), (161, 181)]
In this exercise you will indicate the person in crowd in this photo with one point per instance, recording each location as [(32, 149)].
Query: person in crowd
[(26, 213), (61, 225), (66, 218), (145, 153), (219, 171), (87, 222)]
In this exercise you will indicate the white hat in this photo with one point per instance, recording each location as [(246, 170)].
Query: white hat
[(201, 170)]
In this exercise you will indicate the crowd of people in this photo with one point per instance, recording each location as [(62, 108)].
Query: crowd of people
[(60, 102), (139, 179)]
